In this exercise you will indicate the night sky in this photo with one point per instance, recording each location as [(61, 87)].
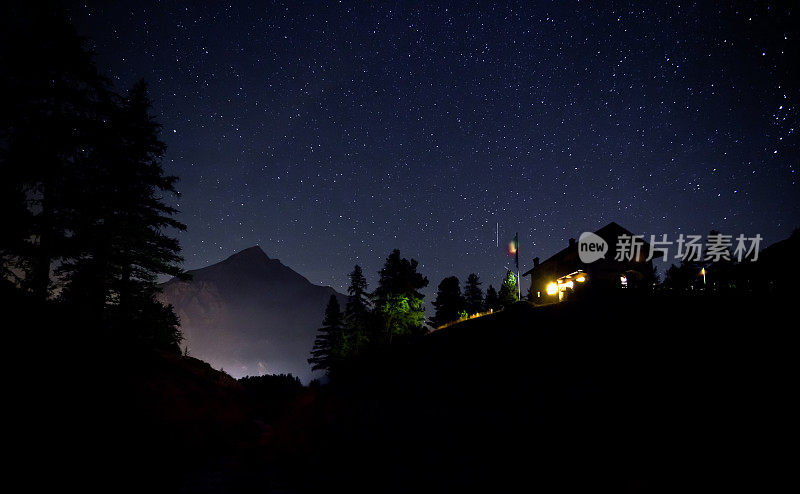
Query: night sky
[(331, 134)]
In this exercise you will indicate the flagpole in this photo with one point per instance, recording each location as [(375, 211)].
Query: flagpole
[(516, 260)]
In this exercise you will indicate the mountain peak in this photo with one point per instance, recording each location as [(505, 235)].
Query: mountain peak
[(255, 250), (247, 260), (250, 314), (254, 254)]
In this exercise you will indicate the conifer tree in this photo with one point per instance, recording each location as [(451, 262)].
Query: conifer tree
[(398, 304), (508, 291), (329, 343), (492, 301), (84, 185), (357, 311), (449, 302), (52, 99), (473, 295), (122, 233), (400, 316)]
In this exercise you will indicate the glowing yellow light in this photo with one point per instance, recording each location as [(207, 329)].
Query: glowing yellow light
[(581, 279), (552, 289)]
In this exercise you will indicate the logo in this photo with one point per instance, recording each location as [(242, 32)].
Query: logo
[(591, 247)]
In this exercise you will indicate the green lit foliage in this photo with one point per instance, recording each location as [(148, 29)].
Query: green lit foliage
[(508, 291), (397, 300), (401, 316), (394, 311)]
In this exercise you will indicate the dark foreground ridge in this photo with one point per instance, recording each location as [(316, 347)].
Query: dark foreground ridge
[(632, 394)]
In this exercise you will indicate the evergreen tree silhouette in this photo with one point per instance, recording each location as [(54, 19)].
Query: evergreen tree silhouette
[(53, 104), (84, 185), (492, 302), (473, 295), (357, 311), (122, 230), (328, 345), (508, 291), (448, 303), (398, 304)]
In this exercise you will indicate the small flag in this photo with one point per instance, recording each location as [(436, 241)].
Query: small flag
[(513, 249)]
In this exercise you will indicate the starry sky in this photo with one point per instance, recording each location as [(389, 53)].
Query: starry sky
[(331, 133)]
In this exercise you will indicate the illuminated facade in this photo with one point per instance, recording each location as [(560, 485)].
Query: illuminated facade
[(564, 274)]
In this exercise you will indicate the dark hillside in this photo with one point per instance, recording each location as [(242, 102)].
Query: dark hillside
[(624, 395), (639, 394), (130, 420)]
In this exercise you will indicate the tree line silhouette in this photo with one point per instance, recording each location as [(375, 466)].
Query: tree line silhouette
[(395, 312), (450, 305), (772, 271), (83, 187)]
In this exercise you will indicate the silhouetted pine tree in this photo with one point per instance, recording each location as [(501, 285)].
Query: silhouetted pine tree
[(357, 311), (473, 295), (83, 183), (508, 291), (398, 304), (328, 345), (53, 111), (492, 302), (448, 303), (122, 235)]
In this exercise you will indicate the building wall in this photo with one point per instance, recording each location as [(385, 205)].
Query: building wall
[(601, 275)]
